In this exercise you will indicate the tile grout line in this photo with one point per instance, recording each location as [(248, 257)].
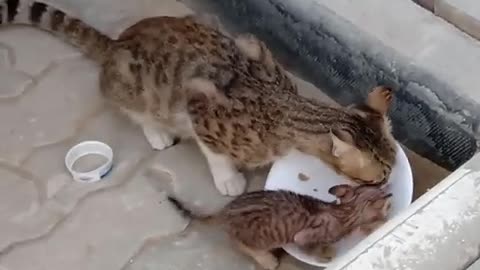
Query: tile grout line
[(14, 245)]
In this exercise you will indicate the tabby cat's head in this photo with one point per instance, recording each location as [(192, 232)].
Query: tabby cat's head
[(365, 149)]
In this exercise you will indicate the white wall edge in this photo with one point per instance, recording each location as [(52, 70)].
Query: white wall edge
[(438, 231)]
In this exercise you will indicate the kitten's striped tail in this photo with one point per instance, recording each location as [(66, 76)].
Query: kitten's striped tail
[(187, 213), (93, 43)]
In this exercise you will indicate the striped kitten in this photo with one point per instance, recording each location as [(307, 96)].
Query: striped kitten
[(262, 221), (177, 77)]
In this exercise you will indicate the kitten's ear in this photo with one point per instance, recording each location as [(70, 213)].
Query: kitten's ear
[(343, 192), (341, 143), (383, 204)]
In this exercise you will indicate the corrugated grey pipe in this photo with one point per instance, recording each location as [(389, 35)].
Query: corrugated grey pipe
[(427, 115)]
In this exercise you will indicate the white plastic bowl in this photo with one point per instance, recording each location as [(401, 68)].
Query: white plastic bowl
[(284, 175)]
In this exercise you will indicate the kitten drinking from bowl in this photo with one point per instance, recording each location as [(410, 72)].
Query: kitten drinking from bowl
[(262, 221)]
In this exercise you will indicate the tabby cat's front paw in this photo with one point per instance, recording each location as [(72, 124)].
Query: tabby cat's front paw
[(233, 186), (160, 140)]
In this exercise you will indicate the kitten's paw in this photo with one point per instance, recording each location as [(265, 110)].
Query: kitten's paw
[(160, 140), (325, 254), (268, 262), (232, 186)]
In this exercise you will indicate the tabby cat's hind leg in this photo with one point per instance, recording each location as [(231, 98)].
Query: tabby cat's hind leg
[(264, 258), (117, 85), (157, 136)]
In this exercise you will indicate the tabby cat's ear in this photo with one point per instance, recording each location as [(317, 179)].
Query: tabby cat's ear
[(341, 143), (380, 99)]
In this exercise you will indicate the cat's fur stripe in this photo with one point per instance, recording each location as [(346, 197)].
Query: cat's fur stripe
[(74, 31)]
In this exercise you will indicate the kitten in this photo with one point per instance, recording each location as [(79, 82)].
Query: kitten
[(177, 77), (265, 220)]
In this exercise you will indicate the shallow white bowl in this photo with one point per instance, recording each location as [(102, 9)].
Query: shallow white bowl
[(284, 175)]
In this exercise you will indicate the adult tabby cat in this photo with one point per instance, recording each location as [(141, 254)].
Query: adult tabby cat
[(180, 77)]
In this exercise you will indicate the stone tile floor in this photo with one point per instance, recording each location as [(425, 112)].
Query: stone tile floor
[(49, 101)]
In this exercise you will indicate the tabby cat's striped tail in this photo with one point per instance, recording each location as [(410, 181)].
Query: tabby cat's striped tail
[(93, 43), (188, 214)]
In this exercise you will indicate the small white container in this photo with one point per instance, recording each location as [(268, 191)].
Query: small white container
[(89, 148)]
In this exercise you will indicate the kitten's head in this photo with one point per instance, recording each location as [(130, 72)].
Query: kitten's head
[(372, 202), (365, 149)]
